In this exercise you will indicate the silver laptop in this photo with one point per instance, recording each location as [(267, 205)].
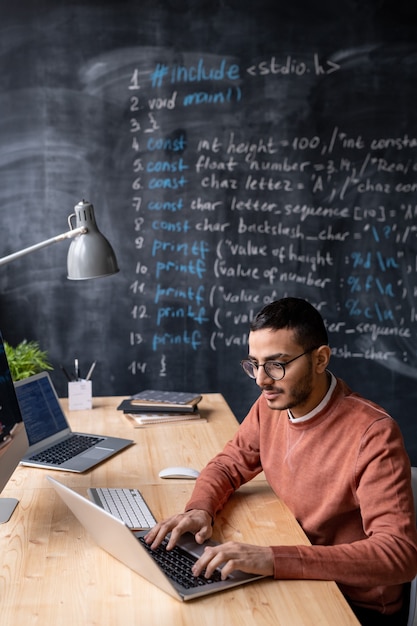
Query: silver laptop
[(52, 443), (111, 534)]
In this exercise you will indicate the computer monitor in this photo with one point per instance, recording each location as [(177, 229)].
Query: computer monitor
[(13, 438)]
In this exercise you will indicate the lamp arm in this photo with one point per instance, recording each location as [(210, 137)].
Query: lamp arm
[(68, 235)]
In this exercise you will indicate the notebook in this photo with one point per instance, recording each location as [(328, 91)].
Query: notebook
[(111, 534), (51, 440), (153, 400), (140, 420)]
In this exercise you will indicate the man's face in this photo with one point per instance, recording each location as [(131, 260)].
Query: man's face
[(296, 391)]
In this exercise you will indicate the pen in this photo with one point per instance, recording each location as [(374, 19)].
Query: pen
[(91, 370), (76, 369), (67, 376)]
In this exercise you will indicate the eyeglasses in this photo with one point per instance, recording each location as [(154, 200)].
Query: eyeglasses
[(273, 369)]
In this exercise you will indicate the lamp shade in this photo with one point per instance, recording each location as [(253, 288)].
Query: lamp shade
[(90, 255)]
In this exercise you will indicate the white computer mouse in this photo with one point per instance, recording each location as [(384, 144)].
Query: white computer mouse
[(179, 472)]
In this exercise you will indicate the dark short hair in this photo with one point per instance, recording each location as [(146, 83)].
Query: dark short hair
[(296, 314)]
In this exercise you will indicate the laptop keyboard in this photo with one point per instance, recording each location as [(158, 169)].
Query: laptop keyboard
[(126, 504), (66, 450), (177, 564)]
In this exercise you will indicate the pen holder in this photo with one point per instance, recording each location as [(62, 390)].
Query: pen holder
[(80, 395)]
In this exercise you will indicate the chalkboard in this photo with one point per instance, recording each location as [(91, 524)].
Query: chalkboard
[(235, 152)]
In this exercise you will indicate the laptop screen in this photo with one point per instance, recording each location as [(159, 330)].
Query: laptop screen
[(42, 413)]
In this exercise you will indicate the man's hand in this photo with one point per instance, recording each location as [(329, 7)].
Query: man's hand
[(195, 521), (232, 555), (242, 556)]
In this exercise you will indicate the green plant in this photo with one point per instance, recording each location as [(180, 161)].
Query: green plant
[(26, 359)]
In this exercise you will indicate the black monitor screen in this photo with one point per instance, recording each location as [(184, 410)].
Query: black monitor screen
[(9, 408)]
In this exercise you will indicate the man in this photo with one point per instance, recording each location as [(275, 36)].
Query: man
[(337, 460)]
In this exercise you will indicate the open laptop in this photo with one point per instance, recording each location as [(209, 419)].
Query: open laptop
[(52, 443), (111, 534)]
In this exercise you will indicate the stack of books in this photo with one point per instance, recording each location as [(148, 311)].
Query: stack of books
[(156, 407)]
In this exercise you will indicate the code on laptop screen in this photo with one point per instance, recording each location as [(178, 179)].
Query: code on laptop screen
[(41, 411)]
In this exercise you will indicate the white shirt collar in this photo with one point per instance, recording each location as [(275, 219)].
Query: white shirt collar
[(318, 408)]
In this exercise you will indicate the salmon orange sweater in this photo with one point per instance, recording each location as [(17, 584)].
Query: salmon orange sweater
[(345, 475)]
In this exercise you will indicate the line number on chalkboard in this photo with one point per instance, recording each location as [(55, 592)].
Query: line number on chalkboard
[(137, 184), (134, 103), (139, 312), (138, 223), (137, 287), (136, 367), (135, 338), (138, 165), (134, 81), (134, 125)]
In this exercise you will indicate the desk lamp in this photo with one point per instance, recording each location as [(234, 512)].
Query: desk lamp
[(90, 255)]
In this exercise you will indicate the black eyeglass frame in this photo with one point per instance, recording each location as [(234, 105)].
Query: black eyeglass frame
[(266, 365)]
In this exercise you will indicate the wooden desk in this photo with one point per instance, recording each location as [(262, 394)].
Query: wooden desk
[(52, 573)]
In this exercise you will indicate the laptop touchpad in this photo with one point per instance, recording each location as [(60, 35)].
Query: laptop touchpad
[(96, 453)]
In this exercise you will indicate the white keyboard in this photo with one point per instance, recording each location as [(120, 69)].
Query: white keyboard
[(126, 504)]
